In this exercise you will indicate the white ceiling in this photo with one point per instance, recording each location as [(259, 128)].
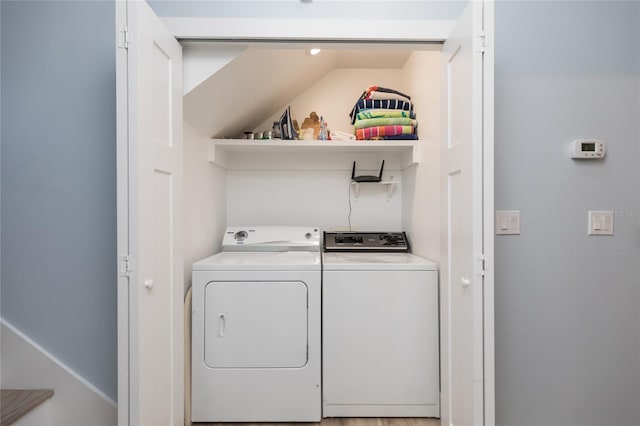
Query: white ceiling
[(371, 58)]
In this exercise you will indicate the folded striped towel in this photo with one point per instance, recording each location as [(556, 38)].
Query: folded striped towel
[(371, 89), (383, 113), (399, 137), (378, 131), (366, 104), (374, 94), (385, 121)]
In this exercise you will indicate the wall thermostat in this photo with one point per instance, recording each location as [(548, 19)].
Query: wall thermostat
[(588, 149)]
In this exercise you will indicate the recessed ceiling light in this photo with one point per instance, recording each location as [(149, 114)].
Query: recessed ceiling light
[(313, 52)]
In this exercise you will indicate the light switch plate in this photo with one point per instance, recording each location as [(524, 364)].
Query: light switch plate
[(507, 222), (600, 222)]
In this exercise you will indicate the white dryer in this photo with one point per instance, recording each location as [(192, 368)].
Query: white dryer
[(256, 328), (380, 328)]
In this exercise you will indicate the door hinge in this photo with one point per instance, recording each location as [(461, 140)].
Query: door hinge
[(479, 264), (481, 42), (124, 38), (126, 266)]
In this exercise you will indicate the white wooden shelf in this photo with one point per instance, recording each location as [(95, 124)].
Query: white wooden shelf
[(356, 188), (309, 154)]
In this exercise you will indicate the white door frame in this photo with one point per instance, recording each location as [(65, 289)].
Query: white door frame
[(122, 190), (488, 187), (310, 29)]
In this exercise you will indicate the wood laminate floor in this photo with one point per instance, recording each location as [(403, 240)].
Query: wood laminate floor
[(18, 402), (344, 421)]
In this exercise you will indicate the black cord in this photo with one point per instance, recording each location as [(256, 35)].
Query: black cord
[(349, 215)]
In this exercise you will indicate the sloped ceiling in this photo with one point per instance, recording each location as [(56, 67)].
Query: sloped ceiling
[(251, 87), (245, 92)]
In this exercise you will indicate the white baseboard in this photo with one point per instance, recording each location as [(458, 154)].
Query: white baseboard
[(26, 365)]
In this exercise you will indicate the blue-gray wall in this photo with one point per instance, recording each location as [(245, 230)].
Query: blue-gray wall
[(58, 181), (567, 305)]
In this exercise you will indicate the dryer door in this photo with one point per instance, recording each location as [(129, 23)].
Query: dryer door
[(255, 324)]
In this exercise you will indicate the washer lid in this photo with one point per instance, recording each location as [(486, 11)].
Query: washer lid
[(271, 238), (260, 261), (376, 262)]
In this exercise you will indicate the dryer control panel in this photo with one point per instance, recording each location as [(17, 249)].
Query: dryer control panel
[(271, 238), (366, 241)]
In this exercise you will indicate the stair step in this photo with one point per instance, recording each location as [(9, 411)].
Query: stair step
[(18, 402)]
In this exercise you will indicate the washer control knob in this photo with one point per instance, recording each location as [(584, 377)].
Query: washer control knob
[(308, 235), (241, 236)]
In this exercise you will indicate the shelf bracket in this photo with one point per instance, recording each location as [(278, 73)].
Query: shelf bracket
[(356, 189), (390, 188)]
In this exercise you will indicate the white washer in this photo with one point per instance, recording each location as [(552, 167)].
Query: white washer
[(380, 335), (256, 328)]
